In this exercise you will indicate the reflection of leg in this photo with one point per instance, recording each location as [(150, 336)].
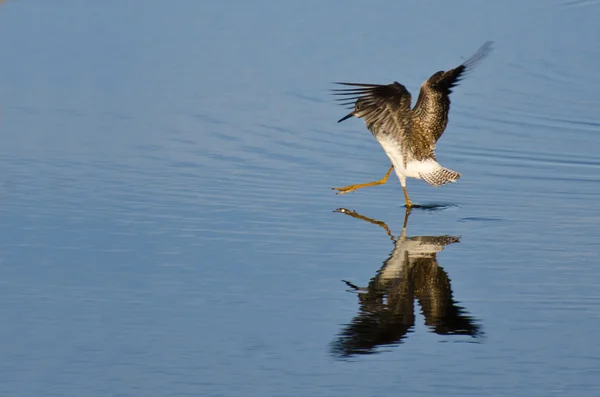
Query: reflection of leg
[(406, 215), (355, 214), (351, 188)]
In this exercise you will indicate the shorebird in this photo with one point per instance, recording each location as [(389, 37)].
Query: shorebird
[(408, 136)]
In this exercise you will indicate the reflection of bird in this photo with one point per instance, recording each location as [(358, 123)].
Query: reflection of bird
[(386, 311), (408, 136)]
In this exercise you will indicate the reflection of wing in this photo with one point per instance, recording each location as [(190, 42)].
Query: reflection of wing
[(386, 306), (386, 311), (434, 293)]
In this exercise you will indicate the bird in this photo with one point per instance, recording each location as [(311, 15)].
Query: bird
[(408, 136)]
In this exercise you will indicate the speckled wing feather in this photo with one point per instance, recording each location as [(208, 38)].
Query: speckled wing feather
[(385, 108), (433, 104)]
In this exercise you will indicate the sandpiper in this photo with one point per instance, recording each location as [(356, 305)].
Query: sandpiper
[(408, 136)]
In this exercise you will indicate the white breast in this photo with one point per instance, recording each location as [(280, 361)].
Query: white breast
[(393, 149)]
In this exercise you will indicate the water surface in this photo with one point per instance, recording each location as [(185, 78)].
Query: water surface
[(167, 225)]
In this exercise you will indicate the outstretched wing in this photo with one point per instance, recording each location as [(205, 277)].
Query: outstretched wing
[(385, 108), (433, 104)]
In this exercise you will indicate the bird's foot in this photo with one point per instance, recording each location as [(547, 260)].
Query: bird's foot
[(351, 188), (346, 189)]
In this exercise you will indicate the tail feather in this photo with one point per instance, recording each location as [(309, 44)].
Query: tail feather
[(440, 176)]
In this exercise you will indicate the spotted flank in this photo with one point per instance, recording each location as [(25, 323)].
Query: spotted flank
[(440, 176)]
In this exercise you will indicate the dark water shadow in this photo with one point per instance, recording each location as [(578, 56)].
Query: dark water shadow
[(432, 206), (386, 312)]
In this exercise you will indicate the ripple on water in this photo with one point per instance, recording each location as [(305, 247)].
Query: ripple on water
[(580, 3)]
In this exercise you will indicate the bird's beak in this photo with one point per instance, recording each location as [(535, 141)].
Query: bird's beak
[(346, 117)]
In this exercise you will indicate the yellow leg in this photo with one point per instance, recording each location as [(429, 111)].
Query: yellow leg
[(351, 188), (408, 202)]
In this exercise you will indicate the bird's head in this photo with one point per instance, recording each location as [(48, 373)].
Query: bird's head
[(359, 110)]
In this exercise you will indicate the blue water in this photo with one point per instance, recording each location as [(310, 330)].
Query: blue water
[(168, 228)]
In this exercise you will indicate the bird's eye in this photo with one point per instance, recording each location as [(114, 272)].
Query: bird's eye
[(359, 105)]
